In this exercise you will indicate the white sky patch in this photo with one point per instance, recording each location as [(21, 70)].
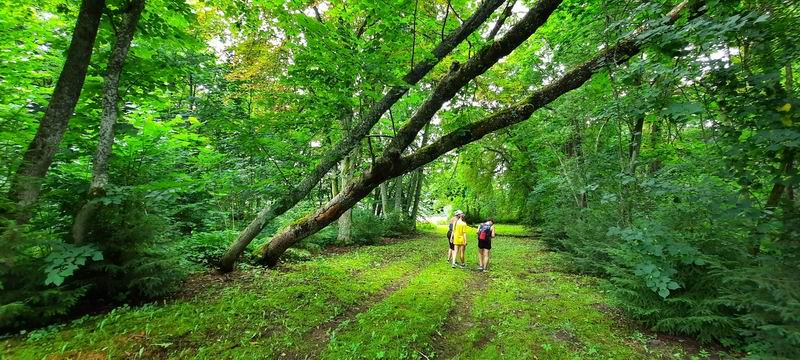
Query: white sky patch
[(220, 44), (721, 54), (45, 15), (519, 10), (321, 7), (315, 143)]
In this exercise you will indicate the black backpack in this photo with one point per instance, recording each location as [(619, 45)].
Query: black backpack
[(484, 231)]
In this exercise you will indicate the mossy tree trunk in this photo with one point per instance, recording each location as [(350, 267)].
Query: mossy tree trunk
[(27, 182), (116, 62)]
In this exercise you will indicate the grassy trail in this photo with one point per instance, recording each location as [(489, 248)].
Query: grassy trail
[(392, 301)]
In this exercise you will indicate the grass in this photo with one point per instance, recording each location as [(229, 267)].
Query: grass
[(392, 301)]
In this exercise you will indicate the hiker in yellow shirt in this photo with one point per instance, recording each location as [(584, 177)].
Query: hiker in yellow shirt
[(459, 239)]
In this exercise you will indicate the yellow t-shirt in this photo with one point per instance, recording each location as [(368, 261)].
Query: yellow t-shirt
[(459, 232)]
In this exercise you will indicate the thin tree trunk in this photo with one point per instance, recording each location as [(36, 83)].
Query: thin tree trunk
[(420, 177), (376, 203), (27, 182), (502, 19), (398, 196), (105, 140), (384, 199), (346, 220), (408, 194), (635, 144), (655, 133), (291, 198), (389, 165)]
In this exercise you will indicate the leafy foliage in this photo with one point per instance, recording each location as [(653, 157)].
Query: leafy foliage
[(673, 175)]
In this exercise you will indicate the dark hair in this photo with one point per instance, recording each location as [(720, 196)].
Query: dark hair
[(490, 219)]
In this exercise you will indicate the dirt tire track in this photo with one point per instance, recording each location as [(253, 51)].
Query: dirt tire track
[(319, 336), (460, 319)]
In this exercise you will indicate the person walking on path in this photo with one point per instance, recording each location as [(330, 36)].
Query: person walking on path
[(459, 239), (485, 235), (451, 252)]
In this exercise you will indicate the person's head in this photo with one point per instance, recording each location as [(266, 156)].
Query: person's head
[(490, 220), (459, 214)]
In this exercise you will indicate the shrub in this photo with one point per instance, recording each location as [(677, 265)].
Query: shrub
[(32, 295), (206, 248), (681, 262), (367, 228)]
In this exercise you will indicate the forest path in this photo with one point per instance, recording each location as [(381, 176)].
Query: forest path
[(400, 300)]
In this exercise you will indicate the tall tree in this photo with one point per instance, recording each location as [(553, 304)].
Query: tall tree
[(116, 61), (27, 182)]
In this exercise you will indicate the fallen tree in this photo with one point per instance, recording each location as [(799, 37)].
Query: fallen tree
[(392, 164), (290, 198)]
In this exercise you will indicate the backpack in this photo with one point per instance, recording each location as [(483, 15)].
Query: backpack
[(484, 231)]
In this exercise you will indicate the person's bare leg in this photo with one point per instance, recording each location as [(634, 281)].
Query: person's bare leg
[(463, 249), (486, 259), (455, 253)]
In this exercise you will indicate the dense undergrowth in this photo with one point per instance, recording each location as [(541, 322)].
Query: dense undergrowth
[(141, 258)]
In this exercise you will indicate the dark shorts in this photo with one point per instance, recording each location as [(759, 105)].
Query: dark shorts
[(450, 234), (485, 244)]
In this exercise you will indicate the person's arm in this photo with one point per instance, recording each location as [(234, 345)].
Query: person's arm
[(492, 230)]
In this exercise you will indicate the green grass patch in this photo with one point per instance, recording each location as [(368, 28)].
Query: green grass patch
[(249, 320), (400, 326), (503, 229), (390, 301)]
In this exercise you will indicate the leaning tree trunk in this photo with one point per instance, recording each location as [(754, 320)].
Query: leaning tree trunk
[(502, 19), (116, 62), (290, 199), (389, 166), (27, 182)]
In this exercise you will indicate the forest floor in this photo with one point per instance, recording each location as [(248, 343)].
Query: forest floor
[(400, 300)]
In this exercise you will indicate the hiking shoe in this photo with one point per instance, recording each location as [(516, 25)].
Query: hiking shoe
[(454, 266), (462, 266)]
